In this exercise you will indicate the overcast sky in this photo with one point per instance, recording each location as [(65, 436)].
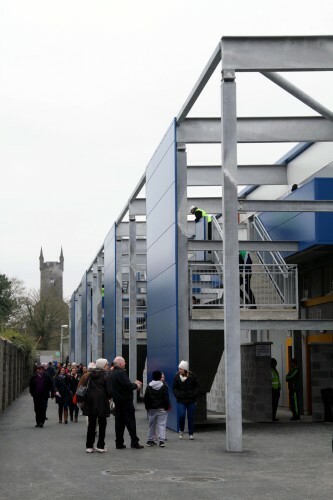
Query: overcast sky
[(87, 91)]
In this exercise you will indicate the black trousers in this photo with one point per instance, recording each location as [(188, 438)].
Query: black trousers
[(40, 409), (125, 417), (249, 295), (294, 403), (275, 401), (92, 420)]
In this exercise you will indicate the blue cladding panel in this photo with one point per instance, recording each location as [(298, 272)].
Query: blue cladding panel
[(162, 291), (163, 246), (161, 349), (165, 179), (110, 294), (72, 332), (162, 216), (162, 296), (162, 149), (307, 228), (84, 319)]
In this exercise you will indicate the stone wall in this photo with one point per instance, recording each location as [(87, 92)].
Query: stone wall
[(321, 376), (256, 381)]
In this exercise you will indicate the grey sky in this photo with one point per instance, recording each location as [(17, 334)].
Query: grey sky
[(87, 90)]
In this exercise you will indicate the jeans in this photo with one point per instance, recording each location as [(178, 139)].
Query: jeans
[(182, 409)]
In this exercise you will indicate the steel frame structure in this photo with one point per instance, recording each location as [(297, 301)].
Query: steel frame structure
[(267, 56)]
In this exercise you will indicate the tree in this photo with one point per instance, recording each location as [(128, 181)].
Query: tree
[(9, 298), (45, 317)]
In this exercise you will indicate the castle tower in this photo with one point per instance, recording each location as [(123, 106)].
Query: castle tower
[(51, 276)]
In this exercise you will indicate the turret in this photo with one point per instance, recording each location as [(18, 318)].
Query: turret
[(41, 259), (61, 260)]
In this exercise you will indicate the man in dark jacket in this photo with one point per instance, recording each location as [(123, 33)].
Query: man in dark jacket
[(293, 385), (40, 387), (122, 394)]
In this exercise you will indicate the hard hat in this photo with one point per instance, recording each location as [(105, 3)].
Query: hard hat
[(192, 208)]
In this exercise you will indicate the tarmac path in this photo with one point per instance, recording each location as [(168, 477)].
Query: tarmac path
[(282, 460)]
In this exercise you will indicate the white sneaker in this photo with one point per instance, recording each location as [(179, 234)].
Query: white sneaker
[(191, 436), (90, 450), (101, 450), (180, 435)]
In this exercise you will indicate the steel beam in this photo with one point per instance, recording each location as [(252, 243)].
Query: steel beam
[(251, 246), (258, 130), (132, 302), (200, 84), (210, 205), (210, 175), (285, 206), (233, 391), (133, 197), (123, 229), (301, 53), (270, 325), (299, 94), (119, 299)]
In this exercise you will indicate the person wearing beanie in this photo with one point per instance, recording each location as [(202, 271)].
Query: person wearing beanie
[(91, 366), (96, 406), (185, 388), (157, 404)]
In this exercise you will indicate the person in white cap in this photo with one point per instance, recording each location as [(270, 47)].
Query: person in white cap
[(185, 388), (97, 406)]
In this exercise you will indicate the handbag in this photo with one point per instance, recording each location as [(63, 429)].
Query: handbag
[(82, 392), (112, 407)]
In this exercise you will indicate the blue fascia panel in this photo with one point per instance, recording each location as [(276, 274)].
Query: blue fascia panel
[(161, 349), (308, 228), (162, 288)]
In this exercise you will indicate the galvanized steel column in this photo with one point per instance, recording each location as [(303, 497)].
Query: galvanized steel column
[(182, 257), (119, 299), (231, 264), (132, 301)]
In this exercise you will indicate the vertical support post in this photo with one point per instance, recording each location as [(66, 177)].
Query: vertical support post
[(78, 326), (119, 299), (231, 264), (182, 257), (132, 302)]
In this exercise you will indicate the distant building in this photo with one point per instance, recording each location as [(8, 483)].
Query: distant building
[(51, 281)]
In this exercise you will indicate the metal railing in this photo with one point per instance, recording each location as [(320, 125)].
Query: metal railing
[(258, 233), (141, 319), (256, 290)]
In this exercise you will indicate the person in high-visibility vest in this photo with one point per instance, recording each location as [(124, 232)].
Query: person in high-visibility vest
[(276, 389), (199, 214), (293, 385)]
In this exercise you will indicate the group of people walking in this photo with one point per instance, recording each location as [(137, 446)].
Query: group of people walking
[(105, 384)]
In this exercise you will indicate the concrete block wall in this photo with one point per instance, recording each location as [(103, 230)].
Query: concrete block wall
[(216, 396), (256, 381), (321, 376)]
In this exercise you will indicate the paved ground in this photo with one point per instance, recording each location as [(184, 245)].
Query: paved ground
[(283, 460)]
